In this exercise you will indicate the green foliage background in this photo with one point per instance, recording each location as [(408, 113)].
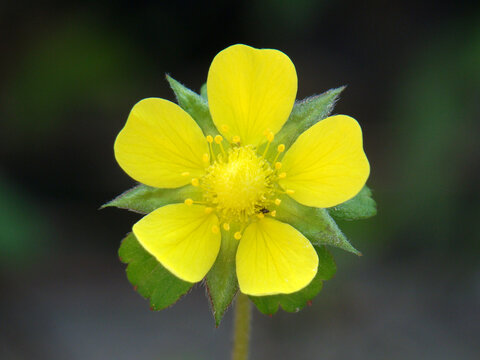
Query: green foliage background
[(71, 72)]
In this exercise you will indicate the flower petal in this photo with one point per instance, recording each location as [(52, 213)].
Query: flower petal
[(161, 145), (326, 165), (181, 238), (250, 91), (274, 258)]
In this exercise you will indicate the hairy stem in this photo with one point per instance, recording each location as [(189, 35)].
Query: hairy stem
[(241, 337)]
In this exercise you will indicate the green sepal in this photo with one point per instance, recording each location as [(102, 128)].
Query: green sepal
[(195, 105), (306, 113), (268, 305), (221, 280), (149, 277), (203, 91), (360, 207), (315, 223), (144, 199)]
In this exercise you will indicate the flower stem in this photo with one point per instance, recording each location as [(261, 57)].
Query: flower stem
[(241, 337)]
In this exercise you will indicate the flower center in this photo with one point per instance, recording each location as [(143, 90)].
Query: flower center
[(239, 184)]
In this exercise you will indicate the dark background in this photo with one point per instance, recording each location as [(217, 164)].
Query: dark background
[(70, 73)]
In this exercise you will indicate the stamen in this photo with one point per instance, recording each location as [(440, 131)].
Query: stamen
[(270, 138), (226, 226), (237, 235), (288, 191), (280, 149), (195, 182), (278, 202), (215, 229), (273, 213), (210, 141), (236, 139), (218, 140), (190, 201), (278, 165)]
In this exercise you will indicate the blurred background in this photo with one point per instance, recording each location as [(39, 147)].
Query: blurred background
[(70, 73)]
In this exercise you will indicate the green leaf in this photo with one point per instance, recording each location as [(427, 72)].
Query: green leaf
[(222, 282), (315, 223), (144, 199), (360, 207), (149, 277), (306, 113), (195, 105), (295, 302)]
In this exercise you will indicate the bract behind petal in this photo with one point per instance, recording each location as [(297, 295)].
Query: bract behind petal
[(250, 91), (326, 165), (274, 258), (184, 239), (161, 145)]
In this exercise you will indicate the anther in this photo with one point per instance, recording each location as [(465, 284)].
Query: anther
[(209, 138), (185, 173), (278, 202), (208, 210), (282, 175), (270, 136), (237, 235), (188, 201), (273, 213), (215, 229), (226, 226), (236, 139), (278, 165), (195, 182)]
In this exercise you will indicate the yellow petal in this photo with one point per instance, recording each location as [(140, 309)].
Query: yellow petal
[(274, 258), (326, 165), (183, 238), (250, 91), (161, 145)]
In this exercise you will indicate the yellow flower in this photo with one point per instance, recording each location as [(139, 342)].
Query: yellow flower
[(239, 177)]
